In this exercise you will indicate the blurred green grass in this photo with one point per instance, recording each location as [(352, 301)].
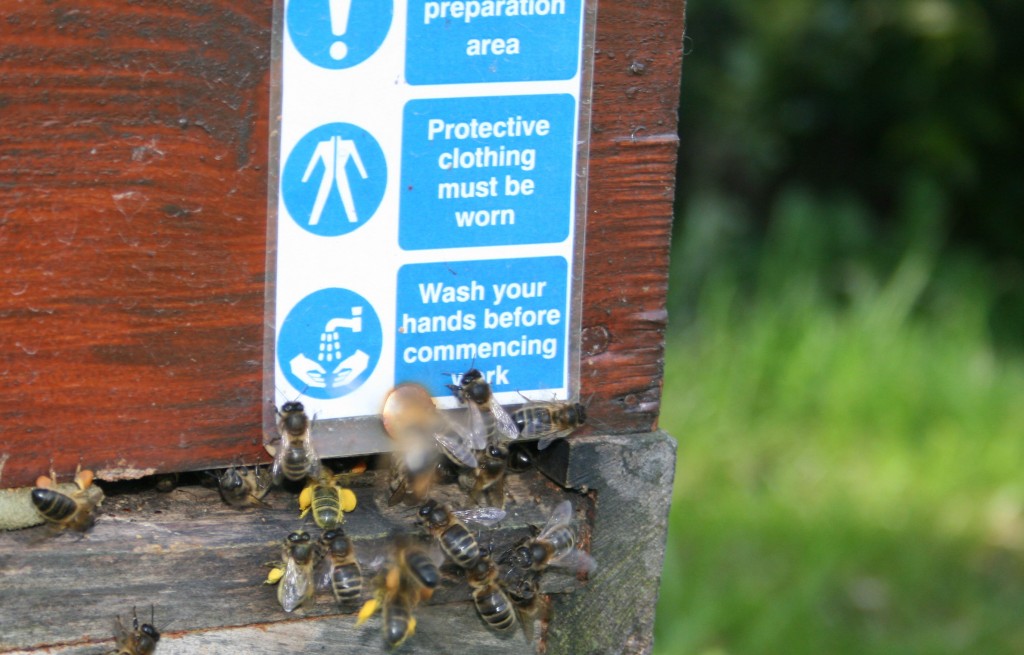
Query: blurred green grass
[(850, 451)]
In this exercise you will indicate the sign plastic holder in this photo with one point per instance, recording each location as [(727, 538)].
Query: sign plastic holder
[(363, 433)]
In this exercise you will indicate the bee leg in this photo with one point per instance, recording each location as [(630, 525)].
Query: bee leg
[(368, 609)]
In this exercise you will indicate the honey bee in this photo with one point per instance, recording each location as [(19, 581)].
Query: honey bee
[(412, 475), (294, 574), (327, 500), (554, 545), (548, 421), (488, 485), (492, 602), (242, 487), (139, 640), (344, 575), (420, 430), (452, 535), (410, 578), (72, 511), (528, 602), (489, 422), (296, 459)]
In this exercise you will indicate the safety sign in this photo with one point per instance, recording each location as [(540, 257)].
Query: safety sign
[(425, 214), (329, 343), (334, 179), (491, 172)]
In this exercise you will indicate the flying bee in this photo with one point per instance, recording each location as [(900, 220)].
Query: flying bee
[(72, 511), (554, 545), (411, 419), (489, 422), (139, 640), (294, 574), (452, 535), (296, 459), (548, 421), (410, 578), (327, 500), (413, 473), (344, 575), (492, 602), (241, 487)]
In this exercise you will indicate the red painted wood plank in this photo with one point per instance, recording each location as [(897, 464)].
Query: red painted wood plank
[(133, 151)]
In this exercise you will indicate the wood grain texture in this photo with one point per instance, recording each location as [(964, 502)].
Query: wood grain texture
[(201, 564), (133, 176), (132, 231), (637, 63)]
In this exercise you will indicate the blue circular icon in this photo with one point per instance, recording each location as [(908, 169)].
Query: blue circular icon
[(338, 33), (329, 343), (334, 179)]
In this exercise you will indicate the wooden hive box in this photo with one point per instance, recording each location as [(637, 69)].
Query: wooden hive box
[(133, 187)]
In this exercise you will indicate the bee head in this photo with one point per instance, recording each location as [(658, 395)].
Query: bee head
[(300, 546), (336, 540), (293, 418), (433, 513), (519, 459), (230, 479), (580, 413), (150, 632), (524, 556)]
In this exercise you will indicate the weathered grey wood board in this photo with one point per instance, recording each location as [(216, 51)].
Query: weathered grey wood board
[(201, 564)]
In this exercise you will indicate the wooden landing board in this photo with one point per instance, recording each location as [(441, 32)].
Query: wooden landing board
[(201, 565), (133, 219)]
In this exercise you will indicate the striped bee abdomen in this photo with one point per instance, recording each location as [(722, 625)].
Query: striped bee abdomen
[(53, 505)]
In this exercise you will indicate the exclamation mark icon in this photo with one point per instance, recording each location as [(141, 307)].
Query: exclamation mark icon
[(339, 24)]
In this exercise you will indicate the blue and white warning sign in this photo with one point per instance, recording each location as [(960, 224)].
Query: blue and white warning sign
[(427, 181), (505, 317), (329, 343), (334, 179), (492, 41), (487, 173)]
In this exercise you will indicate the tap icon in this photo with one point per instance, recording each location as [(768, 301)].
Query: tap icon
[(349, 364), (354, 324)]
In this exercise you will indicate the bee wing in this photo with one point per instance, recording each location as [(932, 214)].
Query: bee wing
[(275, 469), (464, 431), (576, 560), (477, 429), (485, 516), (503, 420), (547, 439), (560, 516), (313, 458), (322, 573), (295, 587), (458, 450)]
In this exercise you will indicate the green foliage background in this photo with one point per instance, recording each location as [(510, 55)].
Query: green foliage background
[(845, 373)]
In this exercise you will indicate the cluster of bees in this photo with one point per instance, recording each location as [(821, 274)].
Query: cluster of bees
[(432, 448)]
